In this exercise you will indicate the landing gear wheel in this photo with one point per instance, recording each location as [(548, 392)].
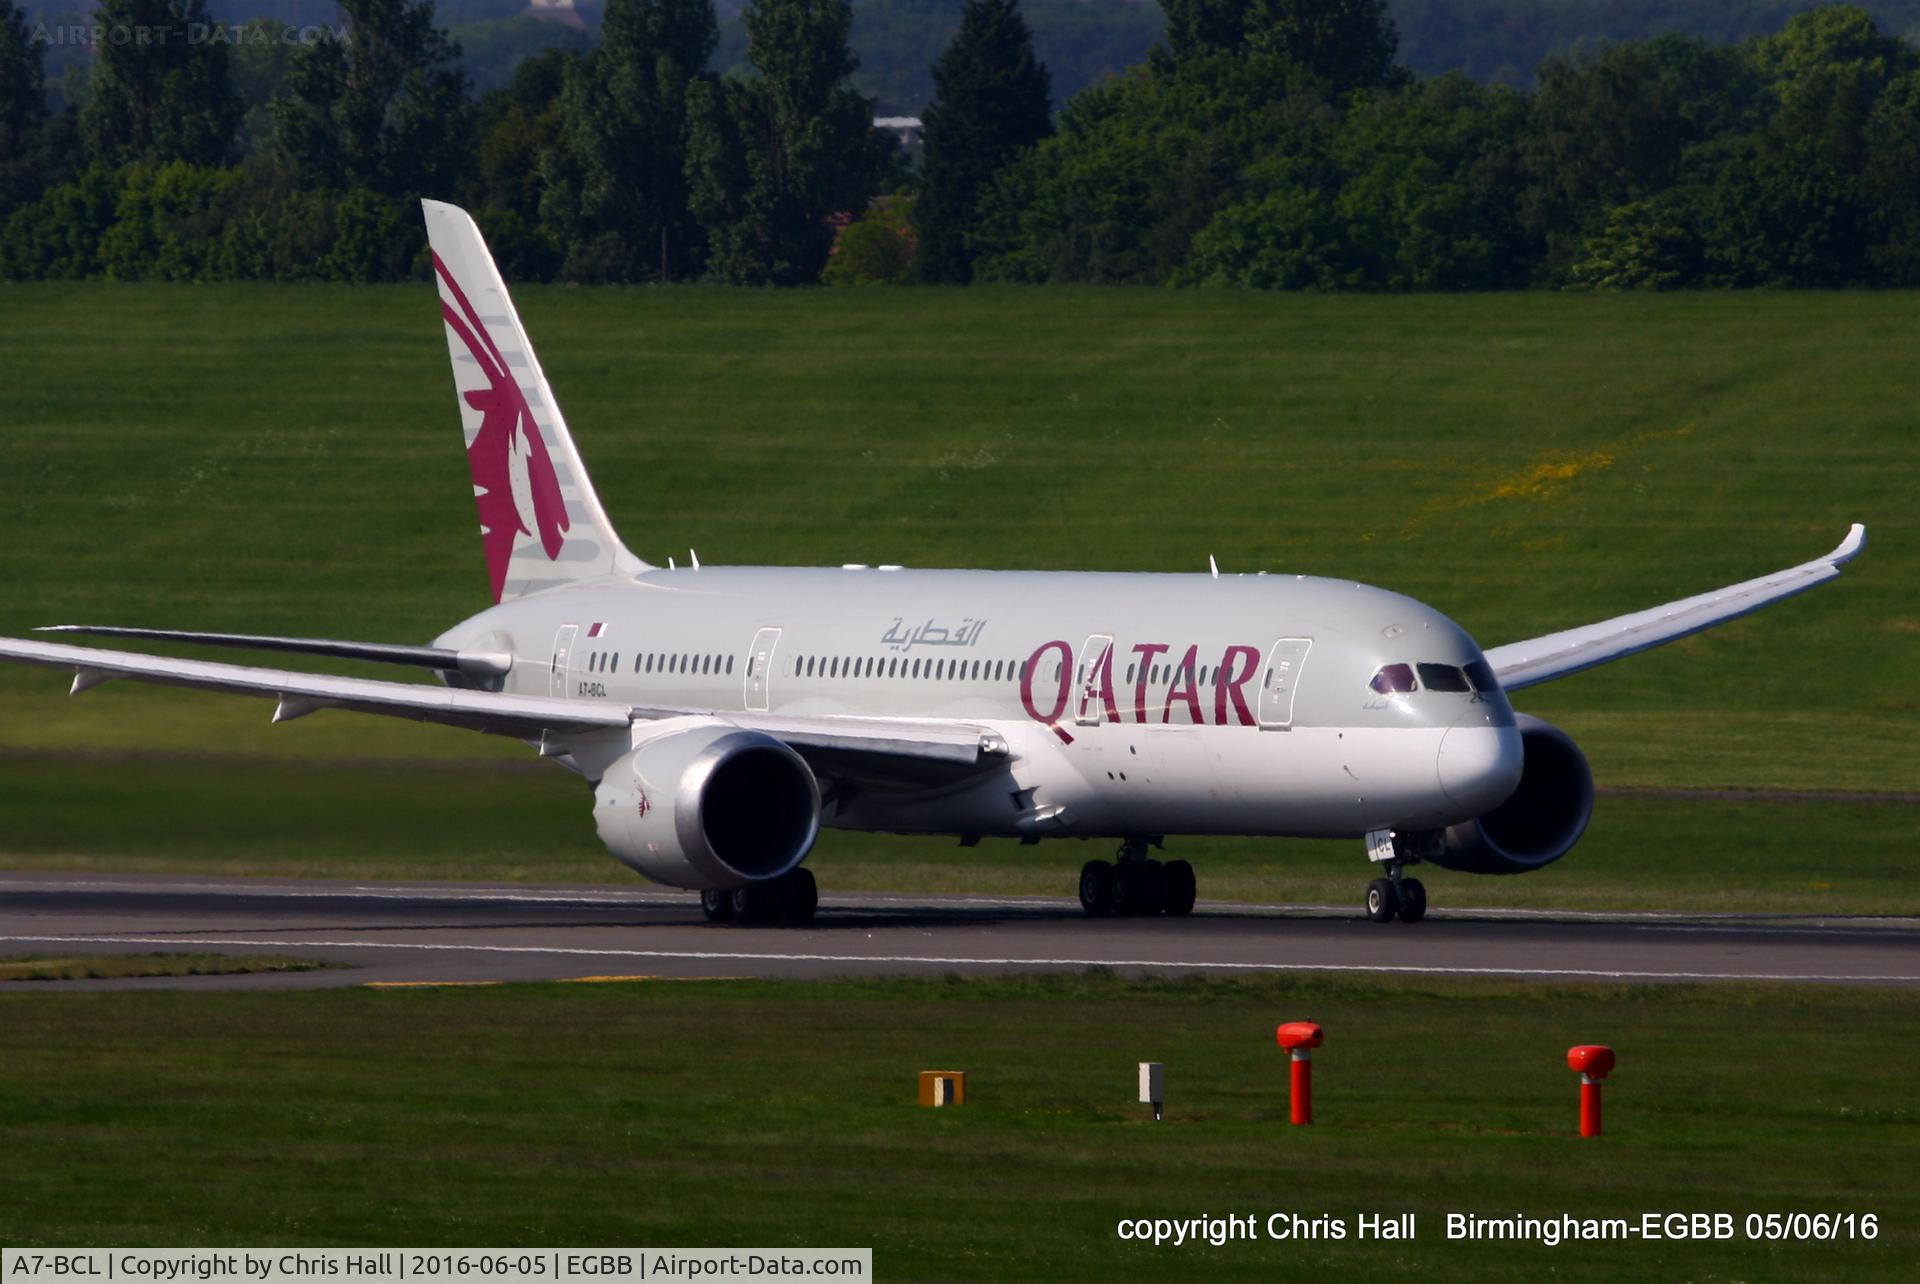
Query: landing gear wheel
[(1132, 890), (1096, 888), (1179, 888), (1153, 888), (717, 905), (744, 904), (799, 897), (1383, 902), (1413, 900)]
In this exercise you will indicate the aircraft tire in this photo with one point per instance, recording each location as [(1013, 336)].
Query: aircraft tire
[(1128, 894), (1180, 889), (1096, 888), (754, 903), (799, 897), (1413, 900), (717, 905), (1382, 901), (1153, 888)]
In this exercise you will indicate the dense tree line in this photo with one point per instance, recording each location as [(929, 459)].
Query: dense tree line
[(1265, 143), (1237, 155)]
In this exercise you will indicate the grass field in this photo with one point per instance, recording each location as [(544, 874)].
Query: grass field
[(570, 1114), (285, 460)]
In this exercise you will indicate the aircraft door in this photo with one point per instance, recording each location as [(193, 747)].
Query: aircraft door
[(1094, 680), (562, 656), (1279, 680), (760, 669)]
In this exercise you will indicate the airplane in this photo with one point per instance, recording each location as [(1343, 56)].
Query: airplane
[(722, 715)]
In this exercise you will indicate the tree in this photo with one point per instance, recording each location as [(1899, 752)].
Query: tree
[(617, 184), (23, 110), (1349, 43), (877, 248), (771, 156), (1642, 247), (1614, 129), (1893, 181), (1141, 164), (385, 109), (990, 105), (158, 95)]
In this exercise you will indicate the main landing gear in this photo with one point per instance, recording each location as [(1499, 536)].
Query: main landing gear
[(790, 898), (1396, 895), (1135, 885)]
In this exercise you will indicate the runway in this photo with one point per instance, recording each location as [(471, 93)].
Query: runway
[(417, 933)]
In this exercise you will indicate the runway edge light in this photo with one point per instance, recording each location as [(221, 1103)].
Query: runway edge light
[(1300, 1038), (1153, 1086), (1593, 1063)]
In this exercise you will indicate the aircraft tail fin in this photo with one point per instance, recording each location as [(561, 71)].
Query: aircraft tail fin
[(540, 522)]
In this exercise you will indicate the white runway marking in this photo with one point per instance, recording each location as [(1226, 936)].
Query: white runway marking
[(938, 960)]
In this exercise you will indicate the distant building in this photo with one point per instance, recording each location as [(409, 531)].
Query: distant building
[(904, 128), (560, 11)]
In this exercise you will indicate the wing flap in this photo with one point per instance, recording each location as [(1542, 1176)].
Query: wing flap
[(484, 664), (1555, 655), (498, 713)]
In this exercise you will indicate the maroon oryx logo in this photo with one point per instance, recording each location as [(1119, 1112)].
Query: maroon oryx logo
[(512, 472)]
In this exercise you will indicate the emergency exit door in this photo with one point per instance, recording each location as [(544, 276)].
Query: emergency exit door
[(760, 669), (1279, 680)]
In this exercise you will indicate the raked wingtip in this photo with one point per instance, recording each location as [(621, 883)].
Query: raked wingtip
[(1850, 546)]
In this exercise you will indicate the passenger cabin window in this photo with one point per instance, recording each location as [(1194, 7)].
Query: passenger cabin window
[(1442, 677), (1393, 678)]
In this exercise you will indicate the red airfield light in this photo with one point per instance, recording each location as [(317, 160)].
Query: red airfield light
[(1300, 1038), (1592, 1063)]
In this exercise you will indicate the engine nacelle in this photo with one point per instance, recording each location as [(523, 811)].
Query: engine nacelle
[(1540, 821), (709, 805)]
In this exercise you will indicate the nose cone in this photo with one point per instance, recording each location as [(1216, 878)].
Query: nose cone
[(1479, 763)]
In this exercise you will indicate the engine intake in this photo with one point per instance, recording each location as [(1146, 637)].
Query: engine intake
[(1540, 821), (710, 805)]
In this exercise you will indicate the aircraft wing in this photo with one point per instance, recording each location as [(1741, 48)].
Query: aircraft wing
[(1541, 659), (524, 717), (875, 749)]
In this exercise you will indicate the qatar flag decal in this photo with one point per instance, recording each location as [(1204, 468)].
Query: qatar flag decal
[(598, 629)]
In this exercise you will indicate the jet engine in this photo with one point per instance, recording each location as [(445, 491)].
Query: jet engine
[(1540, 821), (710, 805)]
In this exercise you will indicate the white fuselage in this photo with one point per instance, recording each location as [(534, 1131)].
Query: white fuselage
[(1131, 704)]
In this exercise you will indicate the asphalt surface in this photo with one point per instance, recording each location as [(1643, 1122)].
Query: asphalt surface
[(413, 933)]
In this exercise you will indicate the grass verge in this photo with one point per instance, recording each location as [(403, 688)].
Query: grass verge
[(782, 1114), (106, 967)]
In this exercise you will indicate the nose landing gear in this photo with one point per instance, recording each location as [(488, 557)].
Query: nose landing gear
[(1396, 895), (1402, 898)]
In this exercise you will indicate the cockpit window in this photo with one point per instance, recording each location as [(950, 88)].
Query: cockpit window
[(1392, 678), (1442, 677), (1480, 673)]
